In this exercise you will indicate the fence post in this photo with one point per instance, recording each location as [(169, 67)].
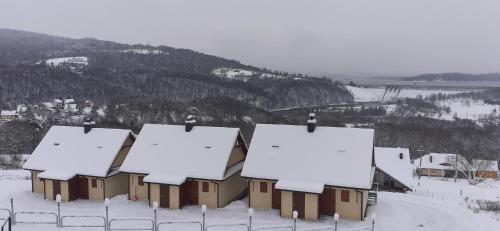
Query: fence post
[(295, 215), (155, 215), (13, 219), (336, 217), (203, 213), (250, 214), (373, 221), (107, 202), (58, 201)]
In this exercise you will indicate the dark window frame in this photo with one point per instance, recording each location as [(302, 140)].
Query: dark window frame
[(140, 180), (344, 195), (94, 183), (263, 187), (205, 187)]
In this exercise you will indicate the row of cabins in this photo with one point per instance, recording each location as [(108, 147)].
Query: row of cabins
[(315, 171), (444, 165)]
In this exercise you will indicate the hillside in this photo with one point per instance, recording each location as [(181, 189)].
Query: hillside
[(453, 77), (37, 67)]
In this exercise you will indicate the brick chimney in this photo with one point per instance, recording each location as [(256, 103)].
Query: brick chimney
[(311, 122), (88, 125), (189, 123)]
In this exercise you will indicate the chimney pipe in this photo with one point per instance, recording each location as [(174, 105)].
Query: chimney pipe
[(400, 155), (87, 125), (189, 123), (311, 122)]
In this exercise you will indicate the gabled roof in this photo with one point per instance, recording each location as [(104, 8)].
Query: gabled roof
[(439, 161), (388, 161), (329, 156), (67, 151), (170, 155), (492, 164)]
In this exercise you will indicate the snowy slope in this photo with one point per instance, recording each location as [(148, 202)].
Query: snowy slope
[(362, 94)]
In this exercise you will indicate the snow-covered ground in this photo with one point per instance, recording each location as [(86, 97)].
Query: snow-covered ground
[(468, 109), (244, 75), (81, 60), (362, 94), (436, 205), (233, 73), (144, 51)]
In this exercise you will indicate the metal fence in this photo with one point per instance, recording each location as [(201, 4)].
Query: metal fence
[(149, 224), (94, 225), (245, 225), (43, 222), (165, 223), (116, 220), (280, 227)]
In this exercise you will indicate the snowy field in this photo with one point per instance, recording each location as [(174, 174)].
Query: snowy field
[(362, 94), (468, 109), (435, 206), (82, 60)]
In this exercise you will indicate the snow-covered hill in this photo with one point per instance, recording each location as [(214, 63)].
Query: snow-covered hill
[(362, 94)]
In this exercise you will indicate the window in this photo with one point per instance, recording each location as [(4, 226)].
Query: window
[(263, 187), (94, 183), (140, 180), (344, 196), (205, 186)]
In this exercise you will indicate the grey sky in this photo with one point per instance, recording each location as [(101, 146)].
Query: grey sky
[(353, 37)]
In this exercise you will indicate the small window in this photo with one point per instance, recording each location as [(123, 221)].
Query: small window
[(94, 183), (344, 196), (140, 180), (205, 187), (263, 187)]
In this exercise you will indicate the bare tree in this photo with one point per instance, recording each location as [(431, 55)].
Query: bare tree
[(472, 170)]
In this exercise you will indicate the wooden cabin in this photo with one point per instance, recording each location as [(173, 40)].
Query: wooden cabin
[(486, 168), (393, 169), (80, 163), (177, 165), (312, 170)]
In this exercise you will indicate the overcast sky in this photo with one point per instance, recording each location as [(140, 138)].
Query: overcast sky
[(349, 37)]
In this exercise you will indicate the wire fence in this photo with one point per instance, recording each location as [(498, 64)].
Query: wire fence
[(147, 224)]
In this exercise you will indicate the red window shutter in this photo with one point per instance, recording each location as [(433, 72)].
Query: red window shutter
[(205, 187), (94, 183), (344, 196), (263, 187), (140, 180)]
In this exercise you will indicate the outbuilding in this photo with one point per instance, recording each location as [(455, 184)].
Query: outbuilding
[(486, 168), (80, 162), (393, 169), (436, 164), (177, 165), (311, 169)]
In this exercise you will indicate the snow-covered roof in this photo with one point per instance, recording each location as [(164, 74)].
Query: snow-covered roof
[(169, 153), (388, 160), (56, 175), (8, 113), (69, 100), (439, 161), (68, 150), (492, 164), (301, 186), (331, 156), (165, 179)]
